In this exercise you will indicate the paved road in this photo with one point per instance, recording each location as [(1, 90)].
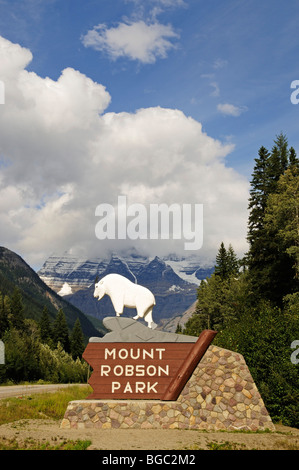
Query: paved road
[(21, 390)]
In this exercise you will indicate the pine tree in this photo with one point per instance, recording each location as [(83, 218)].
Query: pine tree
[(4, 313), (77, 340), (258, 196), (293, 160), (221, 267), (226, 262), (268, 264), (282, 216), (45, 326), (60, 331), (17, 310), (279, 157), (232, 262)]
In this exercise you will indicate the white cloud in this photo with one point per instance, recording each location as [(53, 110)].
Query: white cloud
[(230, 109), (63, 154), (216, 91), (135, 40)]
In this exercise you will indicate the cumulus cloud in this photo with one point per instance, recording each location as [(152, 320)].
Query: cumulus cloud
[(231, 110), (62, 154), (135, 40)]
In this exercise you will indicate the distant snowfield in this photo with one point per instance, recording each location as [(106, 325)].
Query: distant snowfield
[(65, 290), (180, 268)]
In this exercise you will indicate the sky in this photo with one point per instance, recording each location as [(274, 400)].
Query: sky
[(160, 101)]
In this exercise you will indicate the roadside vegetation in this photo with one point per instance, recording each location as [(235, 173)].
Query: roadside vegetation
[(41, 406), (253, 303)]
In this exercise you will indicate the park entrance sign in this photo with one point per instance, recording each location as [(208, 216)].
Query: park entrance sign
[(144, 370), (149, 379)]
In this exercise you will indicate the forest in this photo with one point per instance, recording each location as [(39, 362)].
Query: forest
[(253, 302), (39, 350)]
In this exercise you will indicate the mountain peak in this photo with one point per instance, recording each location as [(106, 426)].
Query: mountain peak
[(36, 294)]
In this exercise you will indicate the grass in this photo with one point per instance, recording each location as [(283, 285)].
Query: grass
[(40, 405), (30, 444)]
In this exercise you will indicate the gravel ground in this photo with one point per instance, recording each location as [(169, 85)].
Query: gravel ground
[(42, 431)]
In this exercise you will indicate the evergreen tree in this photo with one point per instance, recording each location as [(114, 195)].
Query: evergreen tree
[(60, 331), (279, 160), (221, 267), (77, 341), (282, 216), (293, 160), (226, 262), (45, 326), (258, 199), (232, 262), (17, 310), (269, 267), (4, 313)]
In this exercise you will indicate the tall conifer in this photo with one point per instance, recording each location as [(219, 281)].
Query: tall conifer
[(17, 310), (45, 326), (60, 331), (77, 340), (269, 265)]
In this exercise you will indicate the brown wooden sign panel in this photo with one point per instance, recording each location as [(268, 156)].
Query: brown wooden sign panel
[(143, 370)]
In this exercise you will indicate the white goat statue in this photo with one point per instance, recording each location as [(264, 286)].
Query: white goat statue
[(124, 293)]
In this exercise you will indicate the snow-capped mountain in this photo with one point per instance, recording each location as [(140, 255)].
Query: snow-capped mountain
[(80, 273), (172, 280)]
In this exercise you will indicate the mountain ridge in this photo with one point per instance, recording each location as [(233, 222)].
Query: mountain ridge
[(36, 294), (76, 277)]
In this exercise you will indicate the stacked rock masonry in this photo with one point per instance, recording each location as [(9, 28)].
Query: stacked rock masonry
[(220, 395)]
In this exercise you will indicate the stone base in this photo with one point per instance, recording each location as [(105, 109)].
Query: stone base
[(220, 395)]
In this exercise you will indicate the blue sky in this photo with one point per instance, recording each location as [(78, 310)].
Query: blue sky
[(239, 52), (227, 65)]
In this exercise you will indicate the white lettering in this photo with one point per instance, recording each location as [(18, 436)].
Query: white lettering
[(197, 233), (148, 354), (151, 370), (185, 224), (137, 228), (139, 370), (2, 97), (115, 386), (160, 352), (123, 353), (139, 387), (105, 370), (151, 388), (110, 353), (129, 370), (164, 211), (294, 95), (153, 353), (164, 371), (128, 388), (105, 228), (294, 358)]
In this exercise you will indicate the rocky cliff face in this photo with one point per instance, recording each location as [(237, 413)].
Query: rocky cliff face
[(167, 279)]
